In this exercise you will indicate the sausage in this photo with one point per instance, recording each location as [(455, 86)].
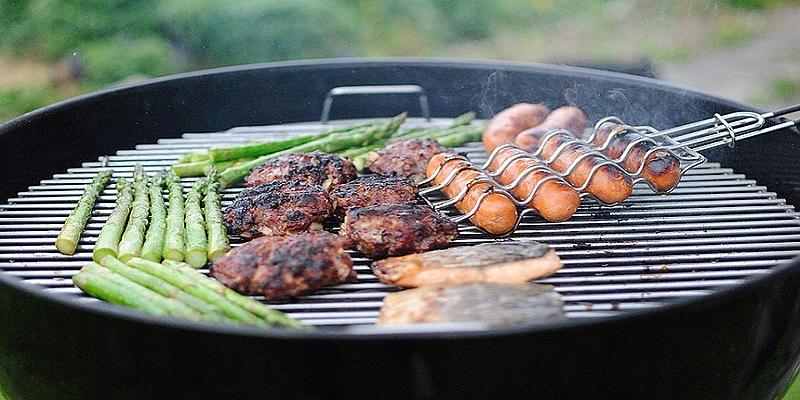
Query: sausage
[(497, 213), (662, 169), (555, 200), (568, 117), (609, 184), (505, 126)]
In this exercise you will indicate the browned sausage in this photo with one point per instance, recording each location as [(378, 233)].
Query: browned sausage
[(568, 117), (662, 169), (555, 201), (505, 126), (497, 213), (610, 183)]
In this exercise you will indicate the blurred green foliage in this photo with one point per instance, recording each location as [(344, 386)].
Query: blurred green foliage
[(21, 100), (97, 43)]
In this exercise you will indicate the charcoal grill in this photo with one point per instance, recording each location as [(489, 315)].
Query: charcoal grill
[(690, 295)]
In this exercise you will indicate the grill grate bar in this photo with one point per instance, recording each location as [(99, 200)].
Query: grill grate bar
[(717, 229)]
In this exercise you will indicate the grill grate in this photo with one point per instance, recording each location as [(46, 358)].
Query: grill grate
[(714, 230)]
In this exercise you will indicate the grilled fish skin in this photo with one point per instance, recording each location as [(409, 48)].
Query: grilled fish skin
[(506, 262), (396, 229), (495, 304), (277, 208), (315, 168), (372, 190), (285, 266), (406, 158)]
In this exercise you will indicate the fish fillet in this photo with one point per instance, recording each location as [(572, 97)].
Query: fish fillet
[(506, 262), (495, 304)]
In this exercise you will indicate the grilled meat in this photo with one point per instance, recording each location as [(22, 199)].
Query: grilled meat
[(316, 168), (371, 190), (277, 208), (494, 304), (281, 266), (396, 229), (407, 158), (507, 262)]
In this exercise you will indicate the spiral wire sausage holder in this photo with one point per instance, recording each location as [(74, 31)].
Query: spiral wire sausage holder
[(684, 142)]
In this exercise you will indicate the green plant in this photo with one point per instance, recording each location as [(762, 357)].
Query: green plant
[(218, 32), (109, 61), (786, 89), (730, 30), (18, 101), (53, 29)]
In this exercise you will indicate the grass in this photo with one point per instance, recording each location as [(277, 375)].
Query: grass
[(793, 393)]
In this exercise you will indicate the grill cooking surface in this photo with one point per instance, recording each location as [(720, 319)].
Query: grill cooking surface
[(715, 230)]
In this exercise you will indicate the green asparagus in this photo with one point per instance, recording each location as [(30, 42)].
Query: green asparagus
[(193, 157), (201, 168), (272, 317), (154, 239), (98, 286), (251, 150), (470, 134), (131, 289), (191, 168), (176, 278), (329, 144), (131, 243), (257, 149), (108, 239), (218, 243), (174, 247), (67, 240), (164, 288), (195, 235)]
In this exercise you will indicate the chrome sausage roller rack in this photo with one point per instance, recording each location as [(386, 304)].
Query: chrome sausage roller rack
[(683, 142)]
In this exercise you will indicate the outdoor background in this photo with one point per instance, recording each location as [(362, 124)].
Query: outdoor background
[(747, 50)]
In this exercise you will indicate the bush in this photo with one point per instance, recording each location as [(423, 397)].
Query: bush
[(18, 101), (219, 32), (110, 61), (53, 29)]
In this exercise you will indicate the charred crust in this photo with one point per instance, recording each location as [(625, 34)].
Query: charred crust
[(278, 267), (316, 168), (278, 207)]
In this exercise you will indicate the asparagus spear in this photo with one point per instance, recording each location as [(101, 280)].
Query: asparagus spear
[(130, 289), (357, 151), (98, 286), (131, 243), (174, 247), (108, 239), (358, 155), (164, 288), (189, 286), (195, 235), (470, 134), (329, 144), (154, 239), (70, 233), (272, 317), (218, 243), (193, 157), (201, 168), (191, 168), (251, 150)]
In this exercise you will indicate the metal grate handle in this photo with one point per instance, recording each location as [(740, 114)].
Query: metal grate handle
[(373, 90)]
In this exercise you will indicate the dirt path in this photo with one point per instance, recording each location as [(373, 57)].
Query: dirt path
[(20, 73)]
